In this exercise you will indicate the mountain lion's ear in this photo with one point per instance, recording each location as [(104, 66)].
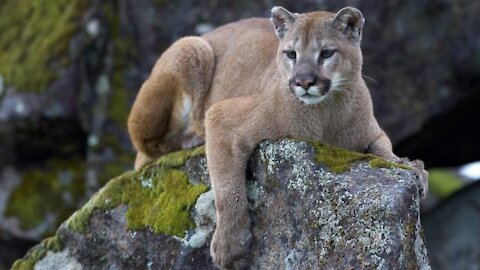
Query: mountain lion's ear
[(350, 21), (282, 19)]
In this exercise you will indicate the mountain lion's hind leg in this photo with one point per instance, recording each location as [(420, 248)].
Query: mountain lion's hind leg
[(161, 117)]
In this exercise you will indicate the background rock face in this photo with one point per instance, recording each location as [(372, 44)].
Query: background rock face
[(304, 216), (454, 243)]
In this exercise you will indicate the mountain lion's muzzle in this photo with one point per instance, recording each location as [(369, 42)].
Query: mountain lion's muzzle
[(309, 88)]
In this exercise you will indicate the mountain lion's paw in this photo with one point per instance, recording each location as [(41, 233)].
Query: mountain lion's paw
[(421, 175), (229, 248)]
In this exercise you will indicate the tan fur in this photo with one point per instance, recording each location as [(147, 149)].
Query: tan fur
[(155, 123), (250, 92)]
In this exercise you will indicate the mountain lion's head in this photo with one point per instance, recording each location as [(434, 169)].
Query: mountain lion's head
[(319, 52)]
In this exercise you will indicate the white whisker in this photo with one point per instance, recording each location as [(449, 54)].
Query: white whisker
[(338, 83), (364, 76)]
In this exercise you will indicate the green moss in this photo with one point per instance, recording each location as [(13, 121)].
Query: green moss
[(43, 190), (108, 197), (53, 243), (443, 182), (35, 39), (37, 253), (166, 207), (339, 160), (376, 162), (179, 158), (158, 196)]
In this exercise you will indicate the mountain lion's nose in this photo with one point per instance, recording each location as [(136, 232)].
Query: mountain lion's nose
[(305, 83)]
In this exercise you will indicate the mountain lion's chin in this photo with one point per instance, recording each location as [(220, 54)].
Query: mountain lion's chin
[(311, 99)]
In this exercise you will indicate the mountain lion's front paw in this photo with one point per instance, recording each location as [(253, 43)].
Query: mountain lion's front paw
[(421, 175), (229, 247)]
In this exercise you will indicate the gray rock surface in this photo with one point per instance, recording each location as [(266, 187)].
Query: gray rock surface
[(304, 216), (454, 242), (314, 219)]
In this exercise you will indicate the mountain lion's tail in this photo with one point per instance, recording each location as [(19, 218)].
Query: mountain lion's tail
[(161, 116)]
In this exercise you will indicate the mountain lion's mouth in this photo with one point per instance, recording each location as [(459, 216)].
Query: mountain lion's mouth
[(311, 96), (311, 99)]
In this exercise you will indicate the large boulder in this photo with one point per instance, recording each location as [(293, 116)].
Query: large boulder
[(312, 207)]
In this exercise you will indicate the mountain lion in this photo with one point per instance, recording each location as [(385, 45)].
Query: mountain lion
[(249, 81)]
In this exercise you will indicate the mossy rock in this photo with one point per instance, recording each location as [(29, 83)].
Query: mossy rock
[(37, 253), (35, 39), (339, 160), (159, 197), (334, 212)]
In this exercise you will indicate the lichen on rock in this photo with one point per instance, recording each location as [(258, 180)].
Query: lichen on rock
[(304, 215), (205, 220), (324, 207)]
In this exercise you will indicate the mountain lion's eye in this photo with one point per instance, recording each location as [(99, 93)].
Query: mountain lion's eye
[(291, 54), (326, 53)]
